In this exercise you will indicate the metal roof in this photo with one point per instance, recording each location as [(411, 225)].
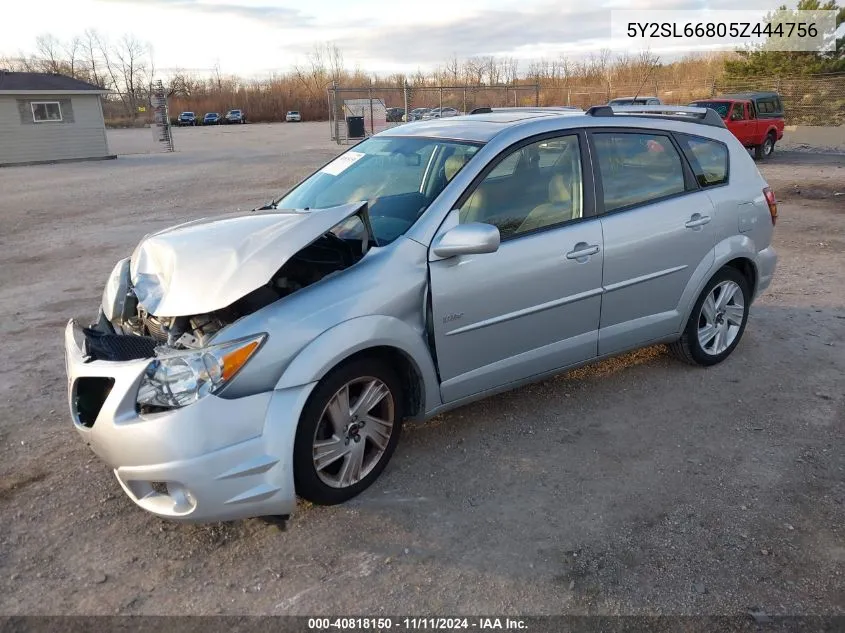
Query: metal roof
[(479, 128), (20, 82)]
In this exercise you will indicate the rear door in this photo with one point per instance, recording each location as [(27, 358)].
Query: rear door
[(658, 229)]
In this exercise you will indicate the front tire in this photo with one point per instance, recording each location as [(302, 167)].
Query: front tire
[(717, 321), (347, 432)]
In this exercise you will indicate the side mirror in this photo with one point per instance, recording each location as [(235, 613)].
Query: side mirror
[(474, 238)]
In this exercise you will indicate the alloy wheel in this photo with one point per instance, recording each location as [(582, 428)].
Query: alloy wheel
[(353, 432), (721, 317)]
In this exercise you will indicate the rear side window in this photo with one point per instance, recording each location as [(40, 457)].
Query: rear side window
[(769, 105), (637, 168), (708, 158)]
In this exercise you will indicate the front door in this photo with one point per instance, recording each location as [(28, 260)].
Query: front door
[(658, 230), (739, 124), (532, 306)]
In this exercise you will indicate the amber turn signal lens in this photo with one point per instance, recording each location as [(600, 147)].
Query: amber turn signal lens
[(236, 359)]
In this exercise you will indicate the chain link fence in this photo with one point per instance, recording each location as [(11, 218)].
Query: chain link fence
[(355, 113), (810, 100)]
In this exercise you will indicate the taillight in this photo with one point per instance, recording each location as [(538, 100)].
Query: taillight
[(773, 204)]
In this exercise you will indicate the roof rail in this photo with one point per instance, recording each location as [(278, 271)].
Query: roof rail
[(552, 109), (705, 116)]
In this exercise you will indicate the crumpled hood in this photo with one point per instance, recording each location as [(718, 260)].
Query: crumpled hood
[(208, 264)]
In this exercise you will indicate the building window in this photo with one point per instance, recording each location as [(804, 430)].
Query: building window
[(44, 111)]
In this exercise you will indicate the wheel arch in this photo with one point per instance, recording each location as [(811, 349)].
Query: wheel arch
[(747, 268), (382, 337), (737, 252)]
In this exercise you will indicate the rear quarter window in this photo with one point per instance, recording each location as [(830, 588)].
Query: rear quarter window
[(708, 159)]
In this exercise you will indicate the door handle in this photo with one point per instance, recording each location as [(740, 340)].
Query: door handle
[(582, 250), (697, 220)]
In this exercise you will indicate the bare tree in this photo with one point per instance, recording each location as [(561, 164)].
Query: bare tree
[(508, 69), (474, 70), (48, 50), (128, 66), (72, 51), (453, 70), (91, 57)]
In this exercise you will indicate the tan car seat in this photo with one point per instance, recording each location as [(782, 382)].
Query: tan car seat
[(453, 165), (557, 209)]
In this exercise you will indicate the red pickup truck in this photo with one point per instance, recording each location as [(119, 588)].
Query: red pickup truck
[(755, 118)]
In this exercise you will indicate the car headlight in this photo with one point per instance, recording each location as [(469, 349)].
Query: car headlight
[(182, 378)]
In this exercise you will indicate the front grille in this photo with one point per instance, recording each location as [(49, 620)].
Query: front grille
[(90, 395), (118, 347)]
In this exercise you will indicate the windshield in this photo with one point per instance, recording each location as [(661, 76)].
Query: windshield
[(722, 107), (398, 177)]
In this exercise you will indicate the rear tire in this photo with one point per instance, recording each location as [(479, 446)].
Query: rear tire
[(340, 448), (766, 148), (717, 321)]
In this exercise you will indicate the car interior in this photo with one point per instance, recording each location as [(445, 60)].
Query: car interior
[(637, 167), (537, 186)]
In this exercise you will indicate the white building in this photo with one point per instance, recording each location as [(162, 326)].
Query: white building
[(46, 118)]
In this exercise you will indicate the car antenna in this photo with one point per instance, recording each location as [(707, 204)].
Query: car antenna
[(647, 75)]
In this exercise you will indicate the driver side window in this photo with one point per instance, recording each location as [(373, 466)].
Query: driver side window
[(533, 187), (738, 113)]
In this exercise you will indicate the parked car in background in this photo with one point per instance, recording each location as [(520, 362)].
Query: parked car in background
[(211, 118), (235, 116), (440, 113), (187, 118), (416, 114), (395, 115), (755, 118), (624, 101), (541, 109), (239, 361), (293, 116)]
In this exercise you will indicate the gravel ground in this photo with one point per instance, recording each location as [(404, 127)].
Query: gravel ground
[(638, 485)]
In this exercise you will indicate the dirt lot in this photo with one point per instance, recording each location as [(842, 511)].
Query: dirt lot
[(639, 485)]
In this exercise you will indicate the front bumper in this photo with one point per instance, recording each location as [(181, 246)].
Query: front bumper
[(215, 460)]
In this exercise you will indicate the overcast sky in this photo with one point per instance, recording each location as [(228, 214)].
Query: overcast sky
[(255, 37)]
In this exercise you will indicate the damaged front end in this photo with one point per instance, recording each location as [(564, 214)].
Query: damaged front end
[(183, 285)]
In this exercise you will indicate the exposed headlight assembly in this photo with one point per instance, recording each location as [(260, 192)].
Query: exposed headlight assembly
[(178, 379)]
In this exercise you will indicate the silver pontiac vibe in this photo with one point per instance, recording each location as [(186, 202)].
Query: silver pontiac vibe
[(240, 361)]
